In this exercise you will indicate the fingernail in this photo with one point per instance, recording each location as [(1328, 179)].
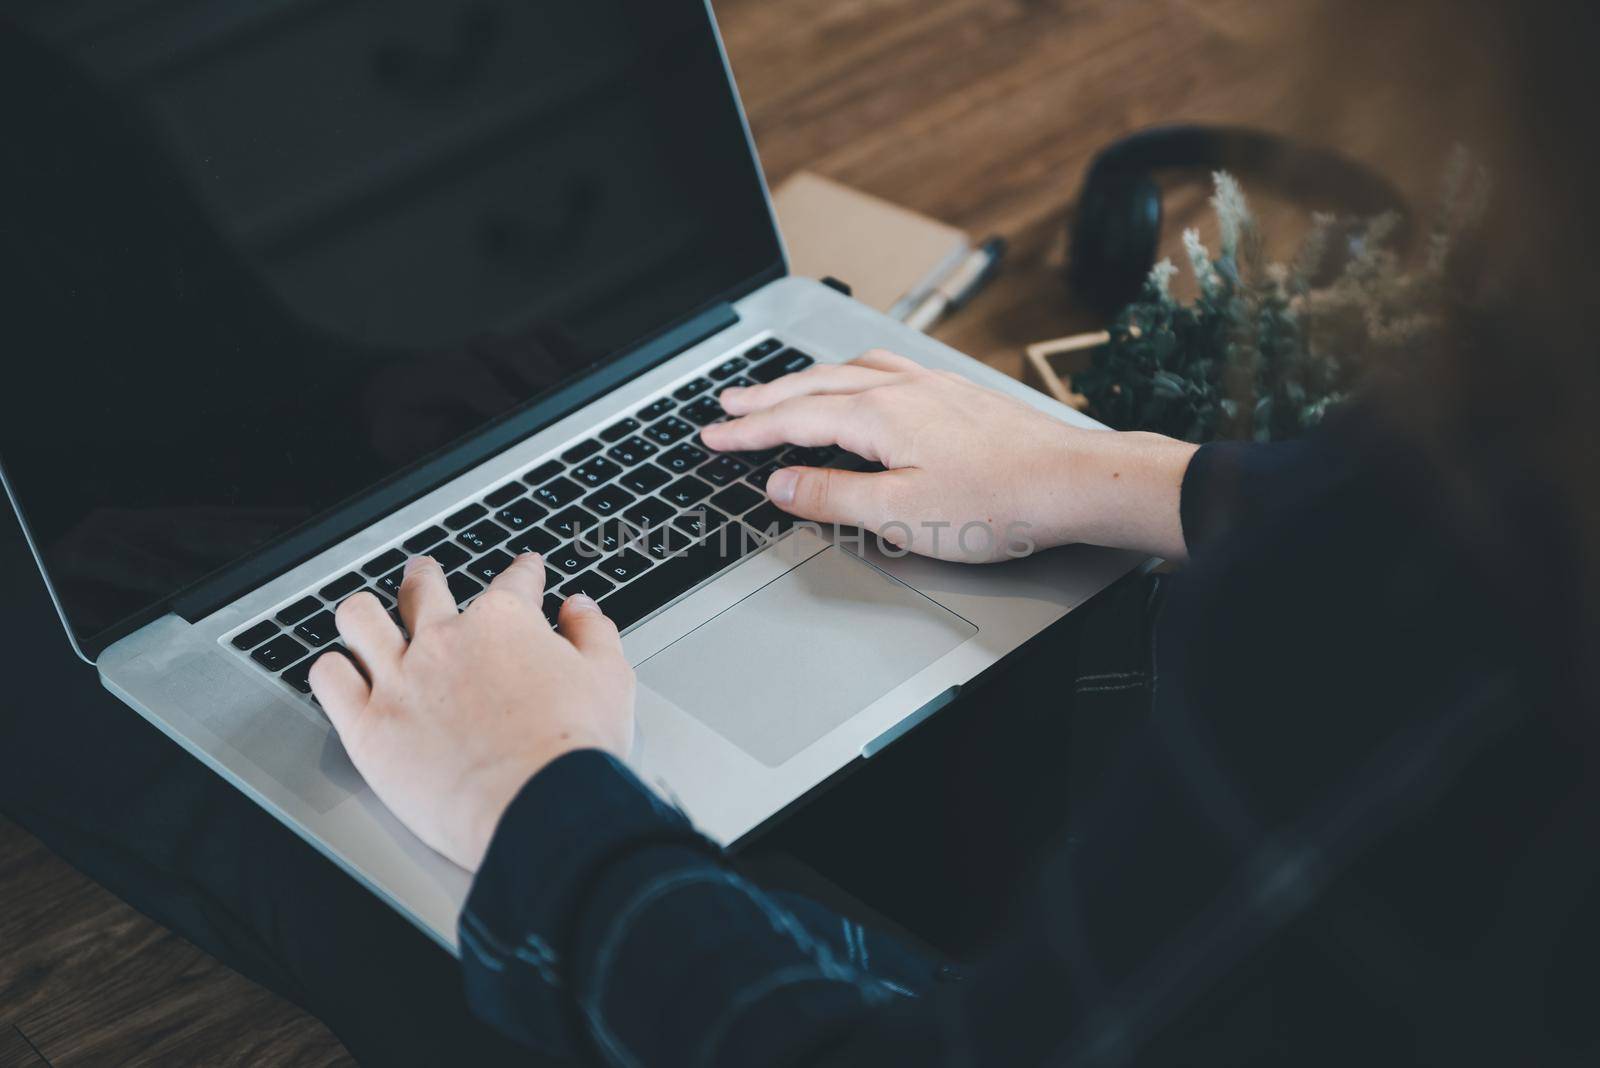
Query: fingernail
[(531, 555), (415, 562), (780, 485), (582, 602)]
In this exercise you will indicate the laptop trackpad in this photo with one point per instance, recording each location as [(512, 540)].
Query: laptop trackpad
[(803, 654)]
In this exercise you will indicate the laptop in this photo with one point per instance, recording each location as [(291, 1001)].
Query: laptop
[(292, 291)]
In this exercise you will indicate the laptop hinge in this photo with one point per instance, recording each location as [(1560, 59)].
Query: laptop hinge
[(233, 582)]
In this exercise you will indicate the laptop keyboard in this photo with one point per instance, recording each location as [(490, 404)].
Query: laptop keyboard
[(635, 516)]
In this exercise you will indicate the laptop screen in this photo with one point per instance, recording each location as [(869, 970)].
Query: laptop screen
[(258, 255)]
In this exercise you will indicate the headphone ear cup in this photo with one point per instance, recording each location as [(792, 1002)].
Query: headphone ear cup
[(1114, 239)]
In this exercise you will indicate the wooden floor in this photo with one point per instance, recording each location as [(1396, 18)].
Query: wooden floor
[(982, 113), (86, 980)]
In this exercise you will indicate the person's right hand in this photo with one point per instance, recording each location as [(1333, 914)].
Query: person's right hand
[(447, 726), (958, 456)]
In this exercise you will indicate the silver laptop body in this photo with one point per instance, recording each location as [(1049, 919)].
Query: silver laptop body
[(811, 652)]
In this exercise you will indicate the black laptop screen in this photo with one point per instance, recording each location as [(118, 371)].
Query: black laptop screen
[(258, 255)]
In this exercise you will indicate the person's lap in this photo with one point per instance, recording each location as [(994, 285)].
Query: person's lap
[(942, 830), (963, 801)]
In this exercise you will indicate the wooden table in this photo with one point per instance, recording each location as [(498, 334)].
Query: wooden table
[(982, 113), (985, 113)]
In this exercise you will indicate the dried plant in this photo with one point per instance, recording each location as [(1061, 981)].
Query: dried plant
[(1266, 350)]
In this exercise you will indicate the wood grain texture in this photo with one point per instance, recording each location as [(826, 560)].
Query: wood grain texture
[(89, 981), (981, 113), (16, 1051), (985, 113)]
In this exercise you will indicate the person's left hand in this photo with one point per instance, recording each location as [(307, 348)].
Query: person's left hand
[(446, 728)]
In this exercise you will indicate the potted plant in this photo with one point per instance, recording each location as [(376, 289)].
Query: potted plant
[(1265, 350)]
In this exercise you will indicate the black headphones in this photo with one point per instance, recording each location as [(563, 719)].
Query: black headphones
[(1117, 227)]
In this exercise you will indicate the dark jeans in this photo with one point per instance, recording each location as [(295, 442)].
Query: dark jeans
[(934, 833)]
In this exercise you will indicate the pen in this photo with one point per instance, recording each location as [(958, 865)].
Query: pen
[(962, 283)]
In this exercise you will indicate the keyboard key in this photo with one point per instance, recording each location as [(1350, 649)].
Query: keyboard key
[(682, 459), (521, 515), (699, 522), (449, 555), (254, 636), (504, 495), (728, 368), (390, 583), (608, 501), (669, 430), (279, 653), (552, 607), (665, 542), (655, 410), (602, 540), (596, 472), (485, 535), (851, 462), (623, 566), (464, 588), (646, 478), (424, 539), (632, 451), (490, 564), (758, 477), (537, 540), (580, 554), (765, 348), (568, 559), (367, 589), (379, 564), (318, 630), (596, 586), (383, 598), (341, 587), (466, 517), (741, 382), (543, 473), (737, 499), (769, 521), (650, 512), (801, 456), (567, 523), (558, 493), (736, 539), (630, 536), (299, 676), (692, 389), (686, 491), (294, 613), (311, 660), (723, 470), (702, 412), (671, 578), (619, 430), (786, 362), (581, 451)]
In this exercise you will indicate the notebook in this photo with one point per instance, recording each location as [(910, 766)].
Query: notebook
[(888, 255)]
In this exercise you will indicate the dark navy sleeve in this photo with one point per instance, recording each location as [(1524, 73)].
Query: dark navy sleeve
[(603, 925), (1233, 485)]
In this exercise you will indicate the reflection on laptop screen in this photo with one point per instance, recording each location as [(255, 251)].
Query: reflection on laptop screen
[(258, 255)]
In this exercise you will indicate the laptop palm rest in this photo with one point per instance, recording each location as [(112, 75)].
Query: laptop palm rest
[(802, 654)]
